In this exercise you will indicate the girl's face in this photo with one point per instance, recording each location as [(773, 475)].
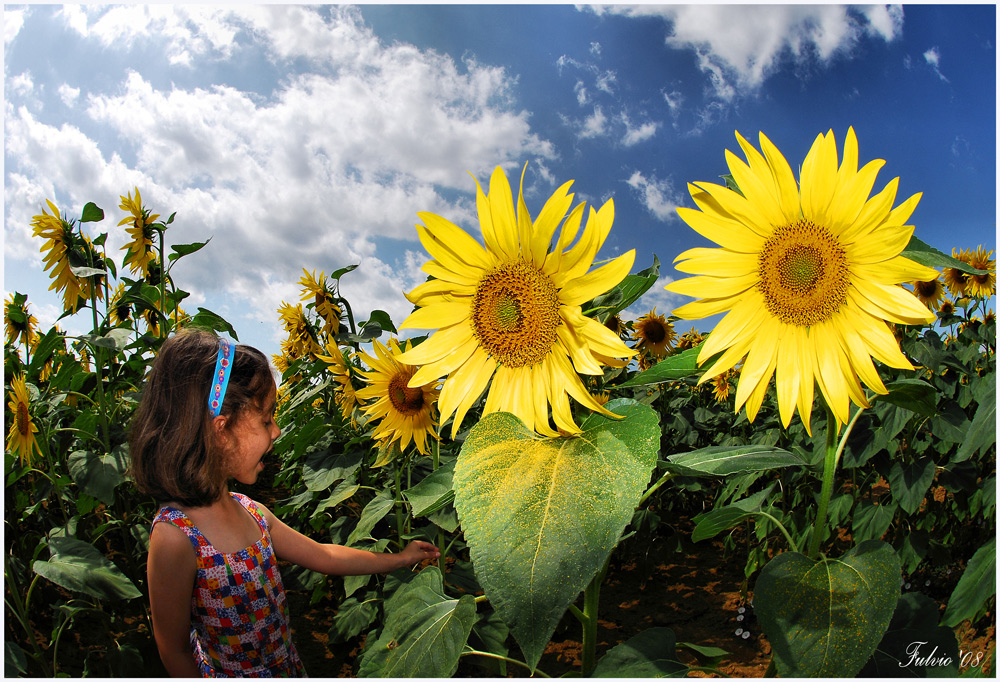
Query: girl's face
[(253, 434)]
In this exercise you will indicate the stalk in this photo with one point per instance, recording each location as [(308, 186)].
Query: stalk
[(829, 469), (99, 365), (591, 603), (163, 285)]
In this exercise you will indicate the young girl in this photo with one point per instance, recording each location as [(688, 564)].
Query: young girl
[(217, 600)]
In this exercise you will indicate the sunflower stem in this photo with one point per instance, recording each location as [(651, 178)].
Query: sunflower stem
[(99, 363), (591, 603), (829, 468), (398, 504), (163, 283)]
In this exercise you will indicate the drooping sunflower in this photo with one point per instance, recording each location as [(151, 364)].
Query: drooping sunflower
[(689, 339), (947, 307), (985, 285), (21, 326), (344, 395), (405, 412), (302, 340), (21, 436), (119, 309), (140, 249), (618, 326), (957, 280), (510, 311), (809, 276), (654, 334), (63, 249), (316, 289), (930, 293)]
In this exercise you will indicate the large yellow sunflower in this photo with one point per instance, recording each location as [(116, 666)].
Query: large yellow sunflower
[(654, 334), (512, 309), (21, 436), (930, 293), (140, 249), (344, 395), (982, 286), (20, 325), (406, 412), (809, 276)]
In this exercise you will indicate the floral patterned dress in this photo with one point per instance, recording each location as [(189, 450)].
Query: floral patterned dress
[(239, 615)]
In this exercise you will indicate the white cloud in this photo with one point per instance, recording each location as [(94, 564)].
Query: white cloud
[(21, 84), (738, 46), (933, 58), (594, 125), (636, 134), (656, 297), (308, 174), (658, 196), (68, 94), (13, 20)]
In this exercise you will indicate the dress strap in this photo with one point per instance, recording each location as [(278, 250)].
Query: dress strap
[(254, 510), (176, 517)]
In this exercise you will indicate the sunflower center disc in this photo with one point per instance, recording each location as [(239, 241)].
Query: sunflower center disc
[(654, 331), (515, 314), (803, 274), (406, 400), (23, 420)]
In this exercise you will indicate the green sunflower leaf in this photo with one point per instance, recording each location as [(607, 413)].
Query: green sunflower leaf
[(205, 318), (99, 473), (79, 567), (651, 653), (181, 250), (425, 631), (541, 515), (92, 213), (670, 368), (824, 618), (927, 255), (976, 585), (730, 460)]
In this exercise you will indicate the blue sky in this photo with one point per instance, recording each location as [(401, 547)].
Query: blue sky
[(309, 137)]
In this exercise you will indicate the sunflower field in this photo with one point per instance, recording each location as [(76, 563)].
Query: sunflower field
[(830, 444)]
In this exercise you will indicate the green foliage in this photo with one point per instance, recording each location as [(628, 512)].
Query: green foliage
[(824, 618), (541, 516), (425, 632), (651, 653)]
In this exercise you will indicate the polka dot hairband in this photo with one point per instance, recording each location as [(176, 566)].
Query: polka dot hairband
[(220, 380)]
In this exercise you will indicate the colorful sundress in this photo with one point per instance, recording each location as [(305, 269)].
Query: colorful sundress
[(239, 615)]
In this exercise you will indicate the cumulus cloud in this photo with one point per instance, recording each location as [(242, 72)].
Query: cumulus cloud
[(738, 46), (634, 134), (68, 94), (314, 172), (658, 196)]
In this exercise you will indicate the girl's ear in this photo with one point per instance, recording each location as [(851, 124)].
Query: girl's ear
[(219, 424)]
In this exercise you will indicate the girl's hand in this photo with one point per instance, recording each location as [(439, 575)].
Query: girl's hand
[(417, 551)]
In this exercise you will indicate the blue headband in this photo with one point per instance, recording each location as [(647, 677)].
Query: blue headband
[(220, 380)]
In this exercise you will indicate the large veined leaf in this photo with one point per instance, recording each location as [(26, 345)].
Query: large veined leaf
[(824, 618), (425, 631), (99, 473), (541, 515), (737, 459), (80, 567)]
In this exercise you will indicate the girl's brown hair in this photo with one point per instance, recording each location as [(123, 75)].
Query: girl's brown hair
[(174, 455)]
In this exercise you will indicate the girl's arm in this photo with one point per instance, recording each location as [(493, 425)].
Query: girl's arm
[(331, 559), (170, 573)]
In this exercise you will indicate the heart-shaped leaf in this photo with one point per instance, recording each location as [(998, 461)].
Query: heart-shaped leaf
[(825, 617), (425, 631), (651, 653), (541, 515)]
